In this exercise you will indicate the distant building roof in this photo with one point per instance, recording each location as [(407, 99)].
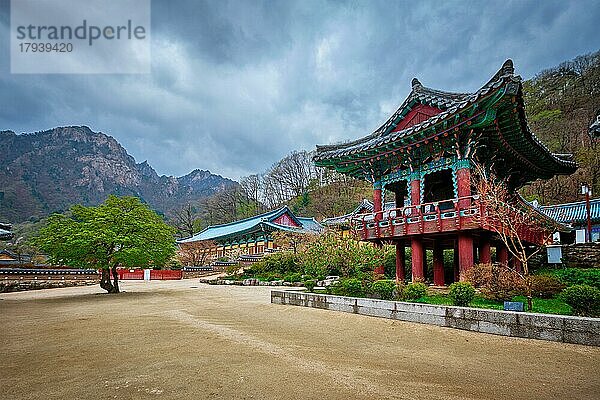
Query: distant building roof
[(365, 206), (573, 213), (281, 219), (5, 231), (9, 258)]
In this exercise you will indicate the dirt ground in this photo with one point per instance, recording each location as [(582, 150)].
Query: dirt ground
[(185, 340)]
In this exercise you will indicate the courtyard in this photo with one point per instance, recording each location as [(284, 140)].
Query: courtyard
[(185, 340)]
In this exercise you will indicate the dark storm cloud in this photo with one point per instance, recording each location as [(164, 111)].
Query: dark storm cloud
[(237, 85)]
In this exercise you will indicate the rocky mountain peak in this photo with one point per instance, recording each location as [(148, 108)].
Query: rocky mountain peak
[(48, 171)]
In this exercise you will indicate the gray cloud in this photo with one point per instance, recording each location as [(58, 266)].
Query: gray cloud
[(237, 85)]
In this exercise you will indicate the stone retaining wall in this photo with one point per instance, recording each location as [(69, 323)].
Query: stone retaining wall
[(21, 285), (582, 255), (559, 328)]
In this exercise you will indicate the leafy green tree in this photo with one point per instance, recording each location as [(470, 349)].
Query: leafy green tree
[(121, 232)]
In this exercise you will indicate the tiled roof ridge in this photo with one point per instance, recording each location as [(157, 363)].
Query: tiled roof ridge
[(459, 100), (257, 217)]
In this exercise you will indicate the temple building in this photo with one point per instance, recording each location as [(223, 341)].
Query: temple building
[(250, 236), (576, 215), (424, 156)]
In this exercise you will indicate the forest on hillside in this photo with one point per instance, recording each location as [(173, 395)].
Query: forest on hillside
[(561, 103)]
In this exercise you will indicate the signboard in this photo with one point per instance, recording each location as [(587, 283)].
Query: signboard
[(554, 254), (513, 306), (580, 236)]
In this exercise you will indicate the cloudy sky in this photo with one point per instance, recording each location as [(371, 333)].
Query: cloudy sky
[(236, 85)]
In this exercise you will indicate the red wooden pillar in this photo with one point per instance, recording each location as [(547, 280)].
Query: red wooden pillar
[(485, 253), (438, 265), (416, 243), (502, 254), (400, 262), (463, 183), (455, 265), (377, 202), (415, 192), (379, 270), (465, 254), (418, 257)]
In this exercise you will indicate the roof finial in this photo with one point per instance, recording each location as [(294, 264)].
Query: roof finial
[(415, 82), (507, 67)]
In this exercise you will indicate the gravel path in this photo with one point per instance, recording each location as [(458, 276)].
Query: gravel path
[(185, 340)]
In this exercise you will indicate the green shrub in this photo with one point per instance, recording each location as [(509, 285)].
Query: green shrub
[(584, 299), (461, 293), (384, 289), (414, 291), (577, 276), (282, 263), (295, 277), (332, 254), (310, 284), (389, 261), (269, 276), (545, 286), (352, 287), (232, 270)]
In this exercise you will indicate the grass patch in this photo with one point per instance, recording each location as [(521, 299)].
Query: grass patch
[(544, 306)]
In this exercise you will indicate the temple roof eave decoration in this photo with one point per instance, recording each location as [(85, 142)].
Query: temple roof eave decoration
[(495, 112)]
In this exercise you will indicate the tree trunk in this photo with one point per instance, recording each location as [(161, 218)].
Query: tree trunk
[(105, 282), (115, 280)]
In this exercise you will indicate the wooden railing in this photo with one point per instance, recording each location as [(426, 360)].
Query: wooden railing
[(439, 216)]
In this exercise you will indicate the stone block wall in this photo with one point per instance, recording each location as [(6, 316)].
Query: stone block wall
[(559, 328), (583, 255)]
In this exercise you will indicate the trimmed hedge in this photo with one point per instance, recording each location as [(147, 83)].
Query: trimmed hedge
[(414, 291), (584, 299), (384, 288), (461, 293)]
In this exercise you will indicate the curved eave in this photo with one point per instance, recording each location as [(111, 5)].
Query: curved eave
[(525, 157), (450, 103), (526, 154)]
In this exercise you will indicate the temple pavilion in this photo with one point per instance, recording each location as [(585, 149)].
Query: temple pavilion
[(250, 236), (424, 156)]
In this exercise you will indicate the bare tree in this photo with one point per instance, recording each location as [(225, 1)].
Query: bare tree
[(185, 220), (195, 253), (512, 220)]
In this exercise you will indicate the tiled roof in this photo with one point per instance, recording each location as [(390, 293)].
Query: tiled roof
[(5, 233), (259, 223), (573, 213), (451, 104), (310, 224), (345, 219)]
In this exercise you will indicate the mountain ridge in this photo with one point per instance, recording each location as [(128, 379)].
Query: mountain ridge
[(48, 171)]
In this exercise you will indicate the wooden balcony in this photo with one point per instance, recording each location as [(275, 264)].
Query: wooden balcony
[(454, 215)]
